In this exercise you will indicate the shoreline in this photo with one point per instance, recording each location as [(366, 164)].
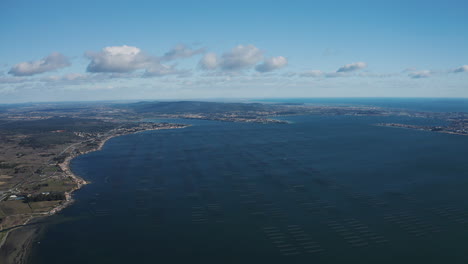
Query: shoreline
[(80, 182), (420, 128), (30, 231)]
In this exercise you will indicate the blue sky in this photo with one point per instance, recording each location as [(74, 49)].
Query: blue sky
[(108, 50)]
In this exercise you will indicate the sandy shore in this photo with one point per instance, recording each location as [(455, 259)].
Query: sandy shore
[(16, 244)]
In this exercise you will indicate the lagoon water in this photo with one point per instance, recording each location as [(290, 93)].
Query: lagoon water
[(323, 189)]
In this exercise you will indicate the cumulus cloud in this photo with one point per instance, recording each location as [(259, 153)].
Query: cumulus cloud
[(272, 64), (82, 78), (50, 63), (127, 59), (158, 70), (179, 52), (66, 77), (119, 59), (290, 74), (209, 62), (11, 80), (241, 57), (319, 73), (352, 67), (377, 75), (463, 68), (420, 74), (312, 73), (336, 74)]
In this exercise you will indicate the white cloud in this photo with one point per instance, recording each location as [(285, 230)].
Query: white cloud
[(66, 77), (80, 78), (158, 70), (209, 62), (272, 64), (319, 73), (119, 59), (179, 52), (76, 79), (420, 74), (377, 75), (336, 74), (352, 67), (241, 57), (12, 80), (127, 59), (312, 73), (463, 68), (50, 63)]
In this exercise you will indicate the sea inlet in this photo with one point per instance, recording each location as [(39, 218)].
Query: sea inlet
[(322, 189)]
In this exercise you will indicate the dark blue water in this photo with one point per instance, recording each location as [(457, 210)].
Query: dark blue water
[(414, 104), (319, 190)]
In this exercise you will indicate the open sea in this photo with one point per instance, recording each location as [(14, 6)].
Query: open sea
[(414, 104), (323, 189)]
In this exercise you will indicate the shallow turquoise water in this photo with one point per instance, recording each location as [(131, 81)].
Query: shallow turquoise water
[(319, 190)]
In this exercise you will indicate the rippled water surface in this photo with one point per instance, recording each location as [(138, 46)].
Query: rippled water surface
[(318, 190)]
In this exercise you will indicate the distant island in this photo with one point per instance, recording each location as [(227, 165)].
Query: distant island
[(40, 140)]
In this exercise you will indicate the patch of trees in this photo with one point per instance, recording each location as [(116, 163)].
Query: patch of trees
[(68, 124), (46, 139), (21, 170), (92, 144), (8, 165), (37, 187), (5, 139), (53, 196), (60, 158)]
